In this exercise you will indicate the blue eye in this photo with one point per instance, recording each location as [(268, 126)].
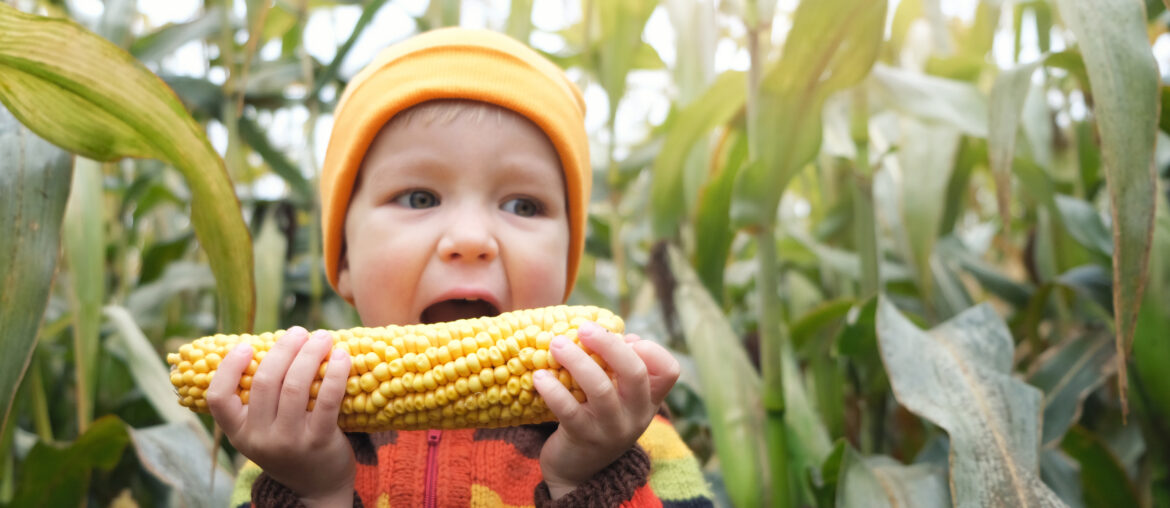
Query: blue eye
[(524, 207), (417, 199)]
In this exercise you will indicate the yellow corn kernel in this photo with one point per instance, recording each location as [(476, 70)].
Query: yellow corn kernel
[(465, 373)]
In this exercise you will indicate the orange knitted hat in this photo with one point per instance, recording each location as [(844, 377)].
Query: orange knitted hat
[(455, 63)]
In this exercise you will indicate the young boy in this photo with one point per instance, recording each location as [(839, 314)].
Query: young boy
[(455, 185)]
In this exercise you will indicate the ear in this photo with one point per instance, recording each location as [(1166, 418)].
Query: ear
[(344, 284)]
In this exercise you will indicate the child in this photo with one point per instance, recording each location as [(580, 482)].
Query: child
[(455, 185)]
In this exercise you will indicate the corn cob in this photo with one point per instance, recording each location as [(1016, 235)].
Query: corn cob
[(459, 374)]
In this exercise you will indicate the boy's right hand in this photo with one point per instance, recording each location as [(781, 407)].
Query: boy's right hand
[(303, 450)]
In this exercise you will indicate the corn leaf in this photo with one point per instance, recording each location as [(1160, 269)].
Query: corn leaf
[(832, 45), (879, 481), (519, 25), (1112, 39), (1004, 111), (84, 94), (60, 476), (1150, 347), (154, 46), (178, 455), (271, 246), (729, 385), (955, 103), (1105, 481), (1062, 474), (1084, 224), (958, 376), (621, 23), (146, 366), (84, 245), (926, 170), (714, 108), (34, 187), (712, 220), (1067, 374)]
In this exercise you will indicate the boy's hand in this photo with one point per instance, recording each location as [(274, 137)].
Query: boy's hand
[(303, 450), (593, 434)]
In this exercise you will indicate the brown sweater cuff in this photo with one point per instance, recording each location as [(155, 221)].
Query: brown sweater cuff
[(611, 486), (268, 492)]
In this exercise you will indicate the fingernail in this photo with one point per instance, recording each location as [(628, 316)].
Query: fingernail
[(322, 335), (559, 342), (244, 349), (540, 374), (588, 328), (297, 329)]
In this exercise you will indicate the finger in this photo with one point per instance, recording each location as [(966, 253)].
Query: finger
[(558, 398), (222, 401), (324, 415), (294, 392), (628, 368), (661, 367), (599, 390), (269, 377), (631, 338)]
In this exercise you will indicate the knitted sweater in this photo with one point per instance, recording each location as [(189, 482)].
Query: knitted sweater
[(497, 467)]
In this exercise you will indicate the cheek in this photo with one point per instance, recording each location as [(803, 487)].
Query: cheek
[(385, 276), (538, 274)]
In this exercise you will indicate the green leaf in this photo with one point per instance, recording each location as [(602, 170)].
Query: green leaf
[(271, 247), (1105, 480), (84, 94), (34, 187), (714, 108), (519, 24), (329, 73), (713, 222), (879, 481), (148, 368), (824, 480), (955, 103), (146, 301), (256, 138), (927, 159), (989, 277), (1150, 347), (178, 455), (621, 23), (1006, 107), (1067, 374), (832, 45), (1112, 38), (84, 245), (165, 41), (1083, 223), (958, 376), (59, 476), (117, 16), (729, 385), (1063, 475)]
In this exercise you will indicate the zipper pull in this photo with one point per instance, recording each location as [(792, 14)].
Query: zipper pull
[(433, 436)]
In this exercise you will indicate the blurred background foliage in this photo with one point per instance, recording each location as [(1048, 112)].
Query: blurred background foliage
[(909, 253)]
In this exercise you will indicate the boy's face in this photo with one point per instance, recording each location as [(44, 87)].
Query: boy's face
[(455, 219)]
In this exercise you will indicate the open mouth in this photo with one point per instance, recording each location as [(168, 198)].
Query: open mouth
[(459, 308)]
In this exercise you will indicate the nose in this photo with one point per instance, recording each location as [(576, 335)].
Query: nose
[(468, 237)]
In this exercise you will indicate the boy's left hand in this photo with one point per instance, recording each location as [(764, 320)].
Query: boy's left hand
[(593, 434)]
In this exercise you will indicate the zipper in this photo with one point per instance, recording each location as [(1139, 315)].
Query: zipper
[(430, 496)]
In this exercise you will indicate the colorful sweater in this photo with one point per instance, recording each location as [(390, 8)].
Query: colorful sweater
[(498, 468)]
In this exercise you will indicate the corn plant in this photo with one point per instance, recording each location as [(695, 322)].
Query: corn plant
[(908, 254)]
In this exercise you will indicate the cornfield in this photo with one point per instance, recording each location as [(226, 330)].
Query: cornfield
[(909, 253)]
